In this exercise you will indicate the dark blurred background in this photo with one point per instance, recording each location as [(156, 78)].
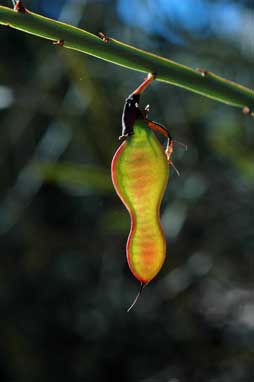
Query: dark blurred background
[(64, 280)]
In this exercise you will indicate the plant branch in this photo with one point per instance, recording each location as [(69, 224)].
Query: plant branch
[(198, 81)]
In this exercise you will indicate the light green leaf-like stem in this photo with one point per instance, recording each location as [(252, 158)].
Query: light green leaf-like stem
[(201, 82)]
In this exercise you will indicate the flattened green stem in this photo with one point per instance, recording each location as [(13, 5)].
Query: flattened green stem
[(198, 81)]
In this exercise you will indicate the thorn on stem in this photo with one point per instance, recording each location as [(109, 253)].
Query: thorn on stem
[(246, 110), (202, 71), (59, 42), (103, 37)]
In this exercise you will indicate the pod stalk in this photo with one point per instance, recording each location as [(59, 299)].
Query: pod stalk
[(150, 77)]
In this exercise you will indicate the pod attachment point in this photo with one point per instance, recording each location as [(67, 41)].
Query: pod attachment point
[(19, 6)]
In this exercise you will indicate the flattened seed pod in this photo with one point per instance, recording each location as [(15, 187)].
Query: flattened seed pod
[(140, 171)]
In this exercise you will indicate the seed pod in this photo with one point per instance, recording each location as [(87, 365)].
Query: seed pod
[(140, 171)]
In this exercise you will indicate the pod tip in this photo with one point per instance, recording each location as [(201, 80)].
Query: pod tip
[(142, 285)]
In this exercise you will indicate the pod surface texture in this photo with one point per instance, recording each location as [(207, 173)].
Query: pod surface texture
[(140, 174)]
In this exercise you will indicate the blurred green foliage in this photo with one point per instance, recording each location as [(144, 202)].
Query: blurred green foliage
[(64, 280)]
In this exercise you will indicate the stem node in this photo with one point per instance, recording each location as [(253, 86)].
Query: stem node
[(103, 37), (202, 71), (246, 110), (58, 42)]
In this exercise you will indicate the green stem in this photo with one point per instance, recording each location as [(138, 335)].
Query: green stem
[(204, 83)]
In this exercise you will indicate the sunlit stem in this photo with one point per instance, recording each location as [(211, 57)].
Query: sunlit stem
[(205, 83)]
